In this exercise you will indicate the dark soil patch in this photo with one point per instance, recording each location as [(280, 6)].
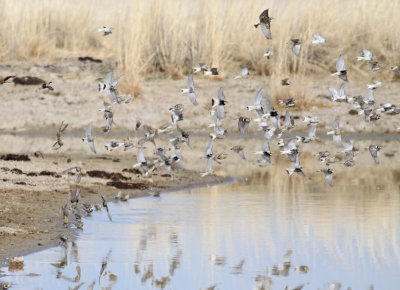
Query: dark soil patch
[(15, 157), (106, 175), (127, 185)]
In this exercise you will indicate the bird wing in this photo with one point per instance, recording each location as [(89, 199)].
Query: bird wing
[(89, 130), (209, 147), (348, 146), (374, 153), (245, 72), (221, 95), (276, 122), (265, 146), (115, 83), (258, 99), (190, 83), (140, 156), (337, 139), (112, 94), (266, 30), (340, 63), (107, 79), (366, 54), (312, 131), (192, 98), (370, 95), (292, 144), (296, 49), (335, 124), (209, 165), (91, 146), (241, 154), (319, 37), (220, 112), (269, 108), (288, 123), (264, 15), (342, 91), (334, 93), (328, 178)]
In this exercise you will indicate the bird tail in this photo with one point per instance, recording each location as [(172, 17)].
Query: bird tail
[(256, 25)]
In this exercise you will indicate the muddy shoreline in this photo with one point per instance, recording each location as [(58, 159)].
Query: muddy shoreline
[(30, 218)]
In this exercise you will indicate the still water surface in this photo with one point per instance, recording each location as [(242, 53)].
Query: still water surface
[(195, 238)]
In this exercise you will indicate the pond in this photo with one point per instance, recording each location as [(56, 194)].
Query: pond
[(244, 235)]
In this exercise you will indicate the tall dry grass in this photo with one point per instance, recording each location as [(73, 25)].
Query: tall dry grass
[(171, 35)]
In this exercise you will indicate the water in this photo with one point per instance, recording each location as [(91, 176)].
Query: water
[(196, 237)]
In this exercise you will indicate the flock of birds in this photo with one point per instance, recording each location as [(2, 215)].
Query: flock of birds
[(268, 119)]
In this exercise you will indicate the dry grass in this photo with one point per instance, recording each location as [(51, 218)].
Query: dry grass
[(169, 36)]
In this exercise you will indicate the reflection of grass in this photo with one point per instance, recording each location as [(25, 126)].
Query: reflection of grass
[(169, 36)]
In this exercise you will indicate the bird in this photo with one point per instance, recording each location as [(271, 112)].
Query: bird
[(209, 156), (147, 169), (243, 124), (265, 152), (138, 123), (113, 145), (289, 121), (105, 205), (318, 39), (239, 150), (366, 55), (220, 104), (88, 208), (395, 68), (374, 85), (202, 67), (374, 66), (105, 30), (47, 86), (338, 96), (369, 96), (340, 69), (243, 74), (59, 143), (336, 133), (78, 171), (296, 167), (268, 54), (296, 45), (285, 82), (213, 72), (190, 90), (65, 214), (289, 102), (183, 135), (290, 149), (89, 137), (110, 88), (257, 104), (374, 150), (74, 197), (328, 173), (265, 24), (176, 113)]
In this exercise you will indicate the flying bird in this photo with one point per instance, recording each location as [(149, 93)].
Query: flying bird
[(328, 173), (89, 137), (265, 24), (340, 69), (59, 143), (243, 74), (296, 45), (105, 30), (318, 39), (239, 150), (336, 133), (366, 55), (190, 90), (374, 150)]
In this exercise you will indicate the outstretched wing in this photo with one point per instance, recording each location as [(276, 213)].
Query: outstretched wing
[(190, 83), (221, 95), (89, 130), (266, 30), (258, 99), (340, 63)]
